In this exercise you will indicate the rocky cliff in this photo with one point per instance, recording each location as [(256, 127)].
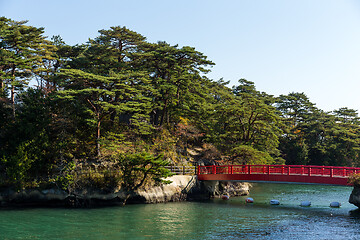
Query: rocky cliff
[(182, 188), (355, 196)]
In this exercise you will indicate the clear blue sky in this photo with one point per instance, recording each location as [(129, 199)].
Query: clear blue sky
[(310, 46)]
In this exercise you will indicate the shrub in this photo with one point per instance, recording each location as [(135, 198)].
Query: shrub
[(354, 179), (17, 166)]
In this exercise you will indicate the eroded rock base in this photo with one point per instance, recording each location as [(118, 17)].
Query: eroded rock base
[(355, 196), (182, 188)]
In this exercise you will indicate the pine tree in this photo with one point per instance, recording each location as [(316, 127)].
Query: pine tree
[(20, 45)]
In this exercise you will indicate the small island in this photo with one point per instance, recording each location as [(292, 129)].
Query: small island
[(107, 118)]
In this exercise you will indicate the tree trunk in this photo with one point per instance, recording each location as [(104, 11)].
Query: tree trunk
[(98, 139), (164, 113), (128, 195), (113, 112), (13, 92), (13, 100)]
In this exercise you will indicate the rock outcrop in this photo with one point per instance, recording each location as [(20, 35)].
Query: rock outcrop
[(182, 188), (355, 196), (232, 189), (33, 197), (176, 191)]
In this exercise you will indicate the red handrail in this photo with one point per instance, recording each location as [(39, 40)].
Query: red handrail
[(303, 170)]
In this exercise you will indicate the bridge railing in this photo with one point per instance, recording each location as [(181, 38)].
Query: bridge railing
[(182, 170), (307, 170)]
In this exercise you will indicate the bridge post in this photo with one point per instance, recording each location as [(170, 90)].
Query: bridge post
[(288, 173), (214, 169), (331, 172), (231, 169), (268, 170), (344, 172), (309, 174), (249, 169), (302, 170)]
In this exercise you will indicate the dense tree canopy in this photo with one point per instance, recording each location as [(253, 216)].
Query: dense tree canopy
[(119, 96)]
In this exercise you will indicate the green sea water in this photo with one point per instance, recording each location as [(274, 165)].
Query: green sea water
[(215, 219)]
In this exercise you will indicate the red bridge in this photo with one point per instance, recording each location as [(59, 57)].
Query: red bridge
[(278, 173)]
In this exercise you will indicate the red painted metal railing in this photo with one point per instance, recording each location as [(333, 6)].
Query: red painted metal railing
[(284, 173)]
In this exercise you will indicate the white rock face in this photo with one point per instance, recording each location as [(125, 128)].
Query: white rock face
[(227, 188), (182, 187), (174, 191)]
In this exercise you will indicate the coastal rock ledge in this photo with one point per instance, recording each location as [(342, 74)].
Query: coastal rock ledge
[(182, 188), (355, 196)]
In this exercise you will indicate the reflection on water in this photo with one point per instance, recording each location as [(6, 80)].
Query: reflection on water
[(215, 219)]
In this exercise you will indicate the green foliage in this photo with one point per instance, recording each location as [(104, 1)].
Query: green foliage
[(316, 137), (164, 142), (136, 169), (66, 179), (119, 96), (245, 119), (244, 154), (107, 180), (354, 179), (23, 49), (72, 179), (17, 165)]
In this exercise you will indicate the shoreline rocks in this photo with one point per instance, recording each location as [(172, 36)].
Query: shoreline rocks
[(355, 196), (182, 188), (32, 197), (232, 189)]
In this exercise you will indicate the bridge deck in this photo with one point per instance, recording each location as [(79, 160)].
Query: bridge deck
[(278, 173)]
